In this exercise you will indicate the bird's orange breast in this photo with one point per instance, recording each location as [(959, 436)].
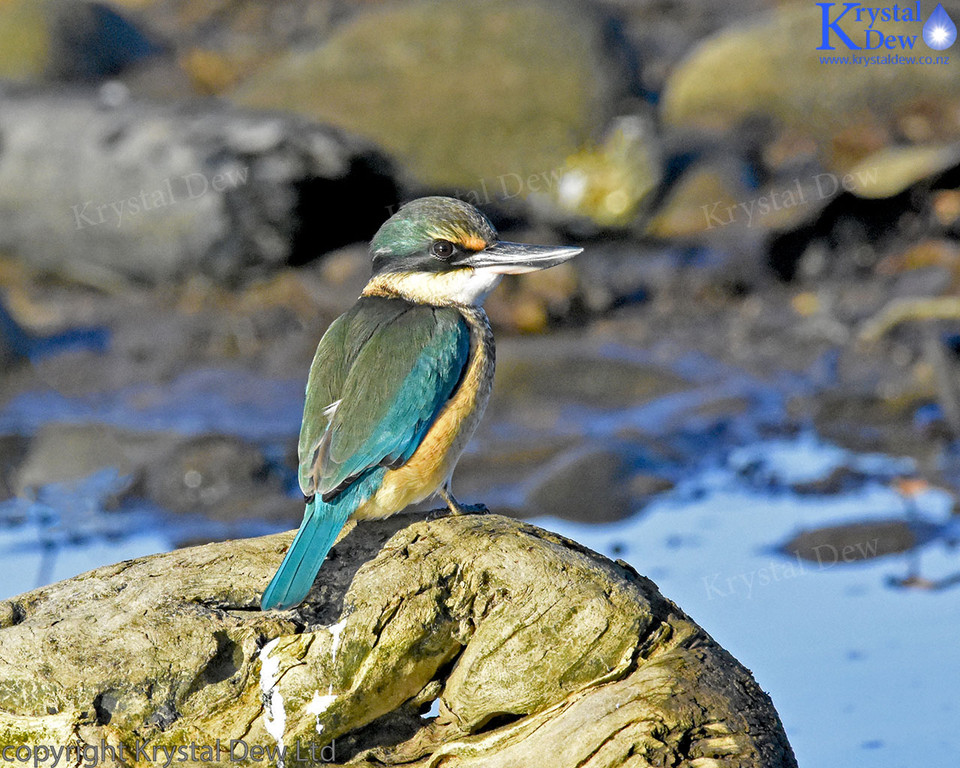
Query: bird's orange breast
[(436, 456)]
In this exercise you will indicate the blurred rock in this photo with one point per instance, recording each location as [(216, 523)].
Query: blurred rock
[(853, 542), (233, 22), (656, 36), (923, 255), (61, 453), (221, 477), (946, 208), (529, 476), (712, 203), (203, 472), (531, 303), (162, 49), (840, 480), (93, 41), (770, 68), (24, 39), (485, 97), (620, 272), (594, 482), (340, 277), (72, 41), (12, 450), (555, 370), (706, 198), (603, 187), (644, 486), (148, 345), (493, 463), (138, 191), (211, 46), (13, 346), (210, 71), (869, 424), (21, 337), (890, 171)]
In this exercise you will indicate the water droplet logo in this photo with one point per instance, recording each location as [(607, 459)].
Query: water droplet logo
[(939, 32)]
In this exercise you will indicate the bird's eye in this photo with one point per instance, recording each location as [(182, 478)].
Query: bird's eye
[(442, 249)]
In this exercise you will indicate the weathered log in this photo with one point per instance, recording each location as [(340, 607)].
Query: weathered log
[(533, 650), (104, 186)]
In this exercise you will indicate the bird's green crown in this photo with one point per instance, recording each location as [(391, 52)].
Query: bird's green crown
[(416, 237)]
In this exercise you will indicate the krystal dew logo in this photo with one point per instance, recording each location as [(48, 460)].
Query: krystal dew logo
[(939, 32)]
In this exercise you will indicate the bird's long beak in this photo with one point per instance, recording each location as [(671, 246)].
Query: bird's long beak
[(516, 258)]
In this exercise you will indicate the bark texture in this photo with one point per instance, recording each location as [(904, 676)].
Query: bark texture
[(533, 651)]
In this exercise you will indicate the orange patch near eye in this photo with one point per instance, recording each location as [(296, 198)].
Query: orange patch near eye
[(473, 243)]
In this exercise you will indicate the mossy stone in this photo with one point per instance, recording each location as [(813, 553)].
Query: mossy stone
[(24, 39), (772, 68), (465, 94)]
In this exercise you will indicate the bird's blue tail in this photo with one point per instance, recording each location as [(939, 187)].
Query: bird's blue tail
[(292, 581)]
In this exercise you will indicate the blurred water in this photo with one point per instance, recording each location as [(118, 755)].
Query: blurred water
[(69, 528), (234, 402)]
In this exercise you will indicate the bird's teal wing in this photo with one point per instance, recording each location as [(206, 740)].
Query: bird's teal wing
[(336, 353), (382, 373), (394, 367)]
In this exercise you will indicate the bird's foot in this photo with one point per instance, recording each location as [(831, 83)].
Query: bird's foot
[(456, 508), (470, 509)]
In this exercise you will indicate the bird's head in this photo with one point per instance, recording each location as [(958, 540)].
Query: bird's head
[(440, 250)]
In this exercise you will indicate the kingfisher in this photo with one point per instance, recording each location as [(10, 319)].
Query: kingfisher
[(400, 381)]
